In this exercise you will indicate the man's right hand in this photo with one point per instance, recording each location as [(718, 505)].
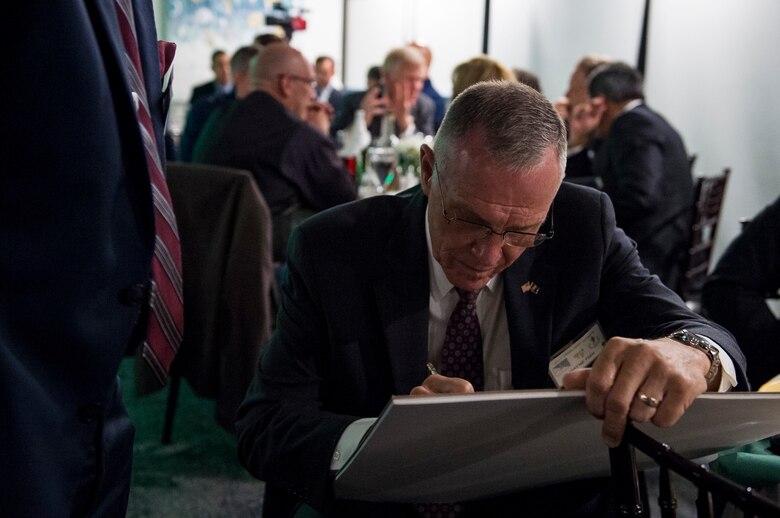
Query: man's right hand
[(373, 104), (583, 120), (438, 384)]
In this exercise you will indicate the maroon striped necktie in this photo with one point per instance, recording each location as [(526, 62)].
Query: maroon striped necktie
[(166, 317)]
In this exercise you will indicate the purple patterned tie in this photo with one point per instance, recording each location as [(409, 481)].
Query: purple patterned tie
[(166, 317), (461, 355)]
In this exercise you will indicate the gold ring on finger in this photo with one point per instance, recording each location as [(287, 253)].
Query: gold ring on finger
[(648, 400)]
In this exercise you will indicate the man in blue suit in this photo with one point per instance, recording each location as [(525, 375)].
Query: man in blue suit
[(371, 286), (76, 240)]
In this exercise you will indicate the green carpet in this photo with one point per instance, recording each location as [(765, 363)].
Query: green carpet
[(198, 474)]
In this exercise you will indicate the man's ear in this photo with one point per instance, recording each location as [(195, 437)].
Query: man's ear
[(427, 160), (283, 86)]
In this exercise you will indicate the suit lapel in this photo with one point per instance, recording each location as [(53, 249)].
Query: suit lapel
[(401, 293), (529, 318)]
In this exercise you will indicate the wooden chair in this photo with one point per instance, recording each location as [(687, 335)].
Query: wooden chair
[(708, 195), (225, 232)]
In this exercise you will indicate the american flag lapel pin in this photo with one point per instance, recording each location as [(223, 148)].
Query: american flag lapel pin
[(531, 287)]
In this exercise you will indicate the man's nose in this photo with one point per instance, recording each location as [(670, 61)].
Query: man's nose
[(488, 249)]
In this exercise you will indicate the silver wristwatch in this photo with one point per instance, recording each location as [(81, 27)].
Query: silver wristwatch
[(687, 338)]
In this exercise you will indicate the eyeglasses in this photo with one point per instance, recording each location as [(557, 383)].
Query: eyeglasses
[(309, 81), (474, 231)]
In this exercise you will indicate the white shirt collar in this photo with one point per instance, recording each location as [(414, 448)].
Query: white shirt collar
[(631, 105)]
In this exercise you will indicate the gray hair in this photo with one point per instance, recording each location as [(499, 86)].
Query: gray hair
[(401, 57), (517, 123)]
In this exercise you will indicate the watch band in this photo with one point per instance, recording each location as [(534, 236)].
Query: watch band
[(687, 338)]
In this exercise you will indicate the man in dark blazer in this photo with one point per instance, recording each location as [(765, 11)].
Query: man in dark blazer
[(371, 285), (735, 294), (324, 70), (220, 85), (76, 240), (645, 171), (280, 134), (403, 78)]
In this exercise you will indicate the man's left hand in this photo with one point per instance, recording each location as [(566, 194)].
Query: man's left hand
[(640, 380)]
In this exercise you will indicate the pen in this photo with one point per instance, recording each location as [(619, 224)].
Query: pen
[(431, 369)]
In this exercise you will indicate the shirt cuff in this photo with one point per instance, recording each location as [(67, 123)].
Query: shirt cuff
[(349, 442), (728, 377), (356, 136)]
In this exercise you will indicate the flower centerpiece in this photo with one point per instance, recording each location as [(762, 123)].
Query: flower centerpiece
[(408, 149)]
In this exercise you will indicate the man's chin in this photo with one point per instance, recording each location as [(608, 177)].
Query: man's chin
[(473, 281)]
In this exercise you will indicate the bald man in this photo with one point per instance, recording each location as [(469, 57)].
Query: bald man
[(279, 134)]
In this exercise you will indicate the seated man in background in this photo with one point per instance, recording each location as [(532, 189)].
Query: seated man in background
[(575, 109), (280, 134), (371, 286), (736, 291), (201, 111), (645, 170), (324, 69), (428, 89), (220, 85), (399, 94), (201, 139)]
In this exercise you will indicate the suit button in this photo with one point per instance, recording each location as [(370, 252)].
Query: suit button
[(90, 412), (134, 295)]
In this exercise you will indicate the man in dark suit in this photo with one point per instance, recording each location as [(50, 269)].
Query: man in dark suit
[(201, 112), (324, 70), (735, 294), (576, 110), (403, 78), (372, 284), (280, 134), (77, 234), (220, 85), (645, 171)]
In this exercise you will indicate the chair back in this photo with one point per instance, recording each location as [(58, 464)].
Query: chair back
[(709, 484), (225, 232), (708, 195)]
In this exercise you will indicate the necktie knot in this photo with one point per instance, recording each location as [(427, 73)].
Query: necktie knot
[(469, 297)]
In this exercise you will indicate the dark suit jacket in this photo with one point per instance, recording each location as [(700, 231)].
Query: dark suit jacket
[(736, 290), (295, 166), (76, 240), (197, 118), (645, 171), (353, 324), (334, 98), (203, 91), (423, 112)]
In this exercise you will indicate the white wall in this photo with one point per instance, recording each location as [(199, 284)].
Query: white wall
[(548, 37), (713, 72), (452, 29)]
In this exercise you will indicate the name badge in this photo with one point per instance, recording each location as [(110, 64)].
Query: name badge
[(580, 352)]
